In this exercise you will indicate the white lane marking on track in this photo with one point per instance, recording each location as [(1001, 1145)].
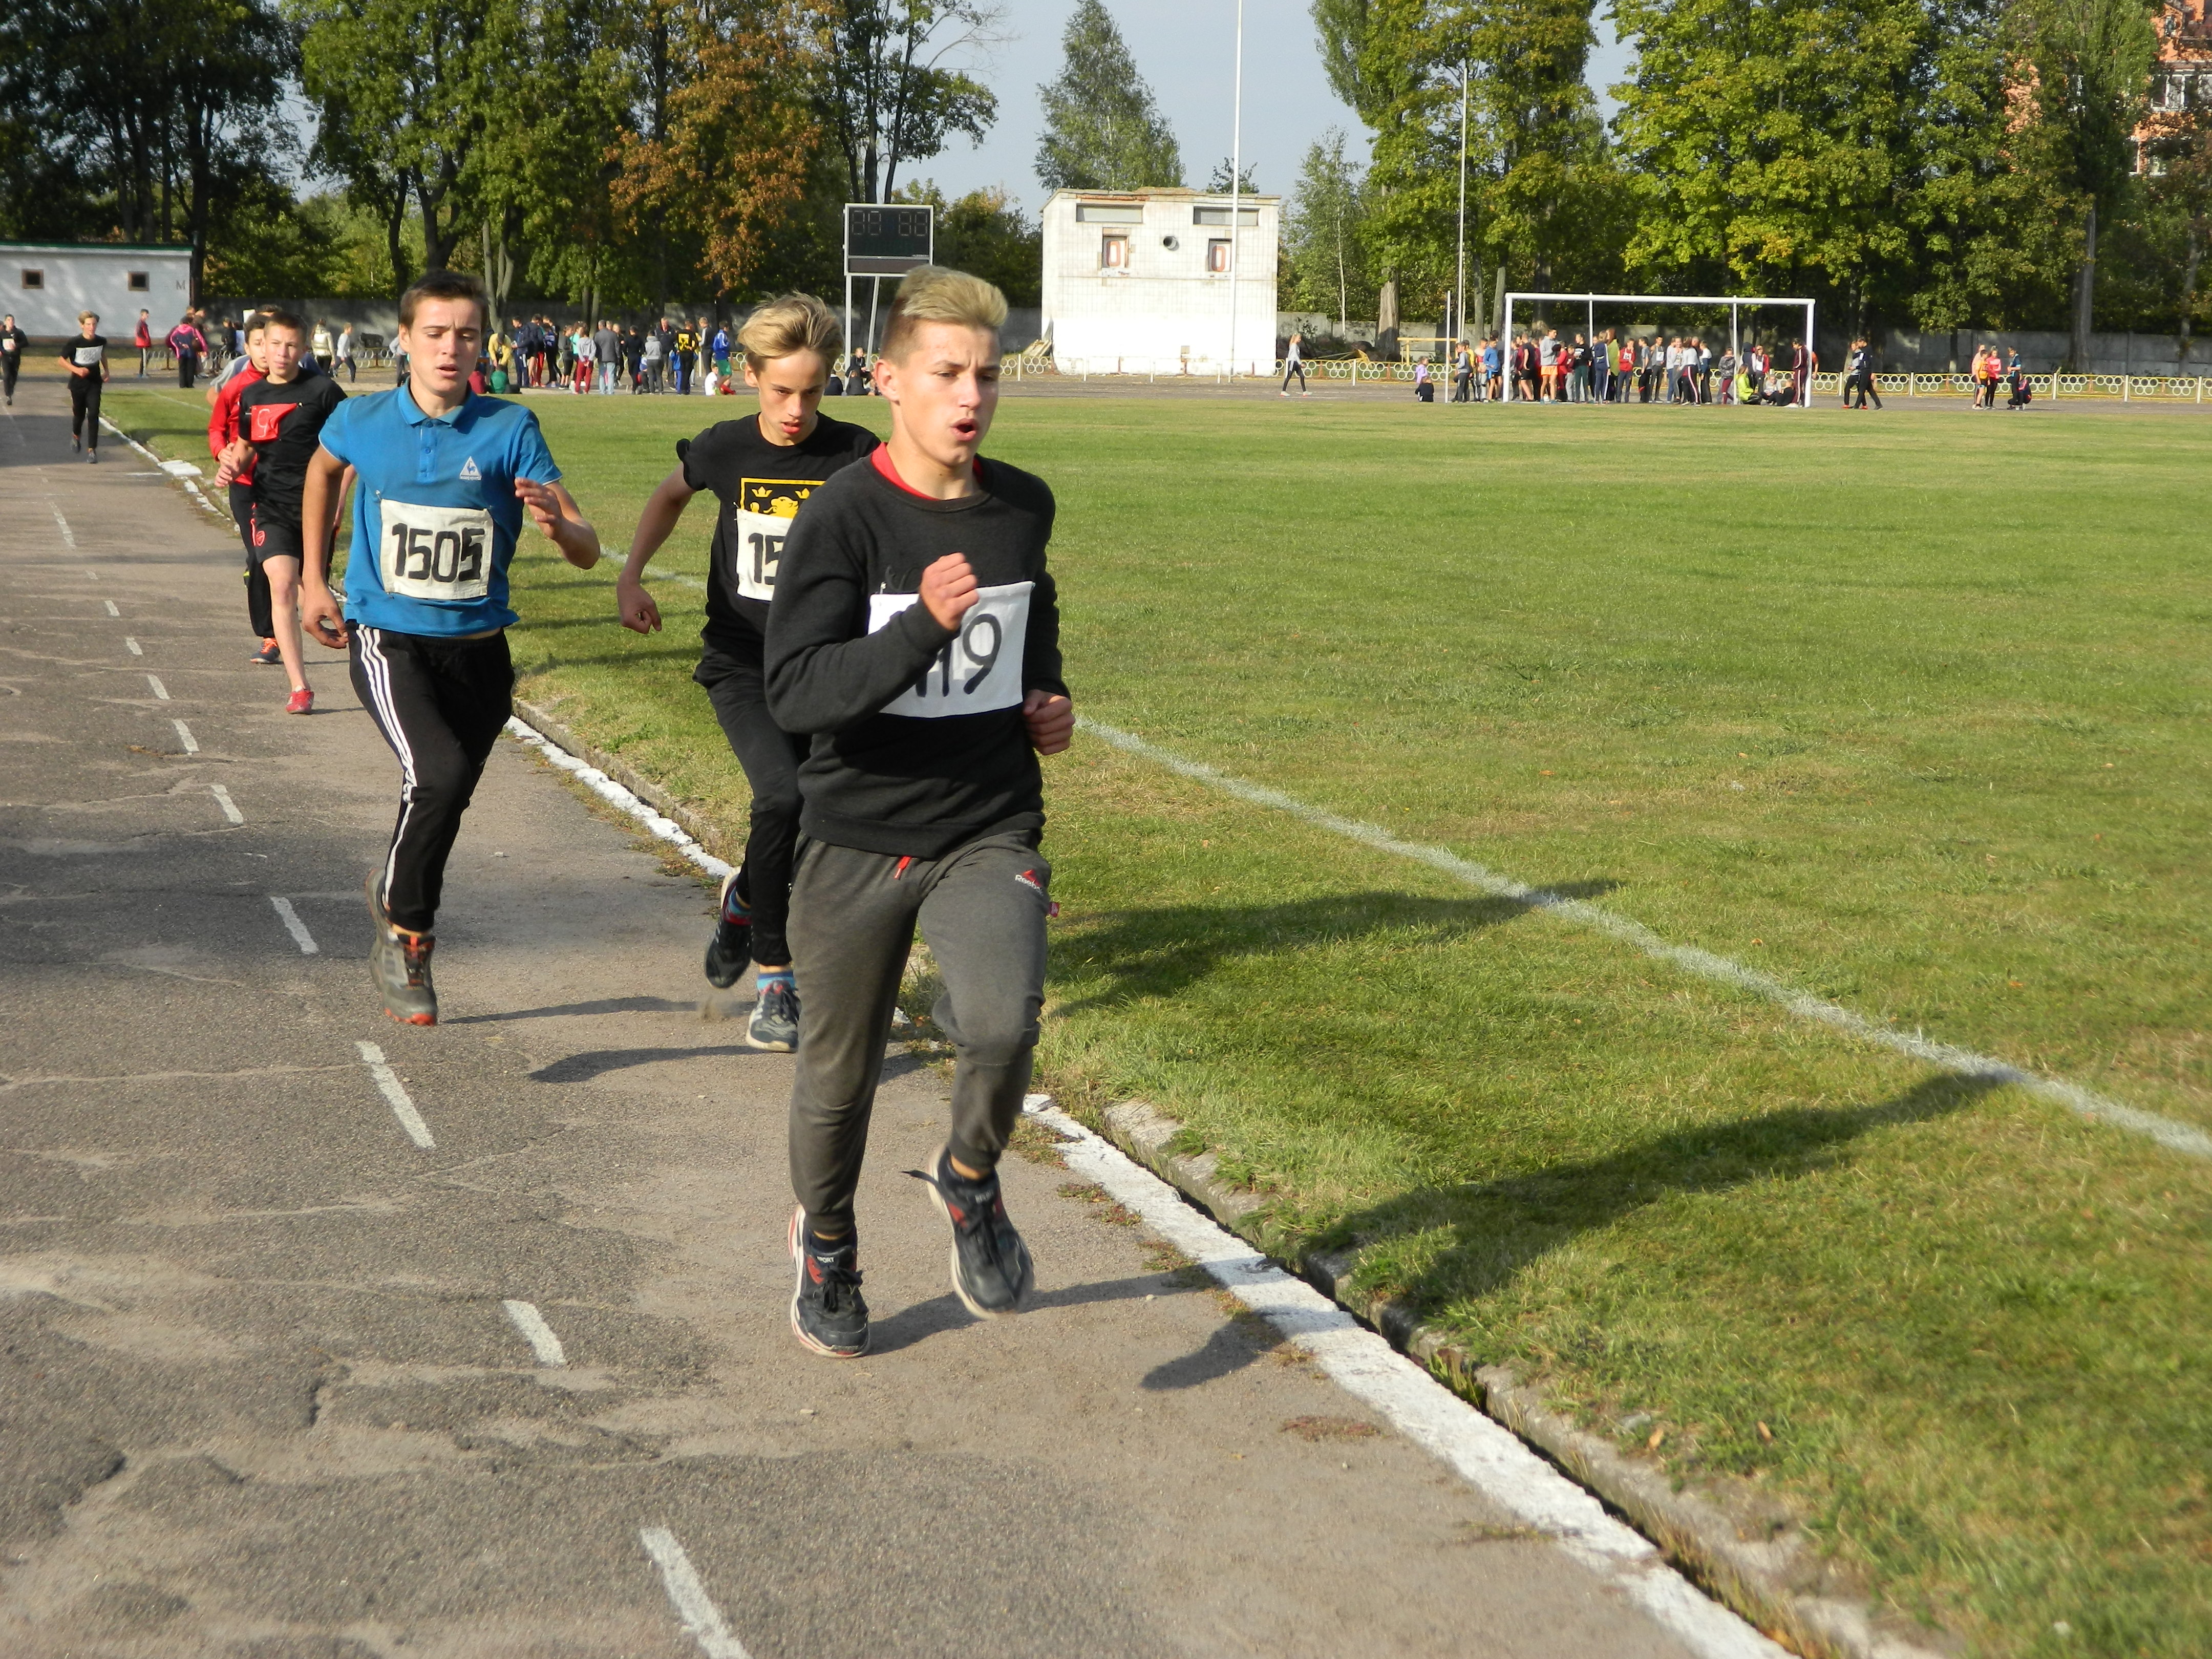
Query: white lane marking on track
[(608, 790), (536, 1332), (69, 540), (192, 743), (135, 648), (111, 610), (395, 1094), (189, 477), (689, 1596), (160, 689), (295, 926), (1964, 1062), (1484, 1454), (229, 806)]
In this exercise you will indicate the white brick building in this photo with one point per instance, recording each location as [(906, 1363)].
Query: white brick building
[(1138, 282), (46, 284)]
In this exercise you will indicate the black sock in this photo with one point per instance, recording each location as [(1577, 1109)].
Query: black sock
[(946, 1172), (821, 1246)]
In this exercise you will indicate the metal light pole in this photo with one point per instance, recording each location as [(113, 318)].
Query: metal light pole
[(1459, 304), (1236, 185)]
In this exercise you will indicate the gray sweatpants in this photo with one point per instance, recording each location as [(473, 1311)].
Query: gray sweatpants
[(982, 909)]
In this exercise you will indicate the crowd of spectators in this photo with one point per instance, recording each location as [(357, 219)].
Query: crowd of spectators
[(675, 356), (1614, 368)]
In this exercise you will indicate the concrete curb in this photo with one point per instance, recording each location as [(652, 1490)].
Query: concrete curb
[(1744, 1548), (702, 829)]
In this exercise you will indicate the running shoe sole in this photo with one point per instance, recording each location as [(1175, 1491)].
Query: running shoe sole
[(952, 1257), (722, 973), (799, 1285)]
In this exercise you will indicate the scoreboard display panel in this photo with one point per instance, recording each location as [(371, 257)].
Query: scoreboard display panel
[(887, 240)]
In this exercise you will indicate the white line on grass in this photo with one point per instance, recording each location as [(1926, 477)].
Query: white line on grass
[(111, 610), (536, 1332), (387, 1080), (689, 1596), (295, 926), (184, 731), (1484, 1454), (608, 790), (160, 689), (229, 806), (1965, 1062), (132, 645)]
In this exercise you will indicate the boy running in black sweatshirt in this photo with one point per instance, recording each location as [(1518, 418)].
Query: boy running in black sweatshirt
[(915, 635)]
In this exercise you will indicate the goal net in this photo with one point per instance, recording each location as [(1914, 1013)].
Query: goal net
[(1764, 340)]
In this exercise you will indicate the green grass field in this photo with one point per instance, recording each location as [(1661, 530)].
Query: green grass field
[(1909, 710)]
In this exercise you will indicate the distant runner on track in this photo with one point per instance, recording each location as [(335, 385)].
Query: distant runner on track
[(762, 470), (915, 635), (86, 359), (12, 341), (444, 477)]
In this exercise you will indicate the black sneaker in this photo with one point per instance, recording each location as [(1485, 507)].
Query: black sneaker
[(991, 1268), (730, 948), (775, 1025), (828, 1314)]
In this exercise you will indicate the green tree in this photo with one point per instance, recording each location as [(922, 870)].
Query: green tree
[(2088, 66), (1101, 129), (884, 89), (1321, 231), (1218, 182), (986, 233)]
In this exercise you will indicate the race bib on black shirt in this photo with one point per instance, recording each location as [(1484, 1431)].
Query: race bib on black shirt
[(87, 356), (979, 671), (759, 521)]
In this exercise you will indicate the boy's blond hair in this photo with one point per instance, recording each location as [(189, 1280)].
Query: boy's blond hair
[(788, 323), (938, 293)]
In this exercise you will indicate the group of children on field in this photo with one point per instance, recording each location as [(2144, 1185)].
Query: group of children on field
[(881, 650)]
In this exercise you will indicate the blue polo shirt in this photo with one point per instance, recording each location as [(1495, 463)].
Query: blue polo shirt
[(434, 516)]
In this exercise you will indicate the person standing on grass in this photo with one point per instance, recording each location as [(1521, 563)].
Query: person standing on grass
[(915, 635), (185, 343), (12, 341), (280, 414), (446, 477), (763, 470), (604, 362), (1294, 363), (86, 359), (1859, 377), (142, 339)]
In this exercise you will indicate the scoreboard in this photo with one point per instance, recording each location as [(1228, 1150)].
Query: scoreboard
[(887, 240)]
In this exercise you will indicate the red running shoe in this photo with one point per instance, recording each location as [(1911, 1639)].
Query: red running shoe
[(301, 701)]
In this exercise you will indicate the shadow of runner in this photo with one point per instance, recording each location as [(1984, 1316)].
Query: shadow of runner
[(1159, 952), (598, 1062), (1499, 1228)]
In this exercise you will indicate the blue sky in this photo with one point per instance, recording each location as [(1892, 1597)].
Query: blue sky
[(1183, 49)]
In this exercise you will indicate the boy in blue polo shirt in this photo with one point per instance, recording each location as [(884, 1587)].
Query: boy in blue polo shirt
[(444, 479)]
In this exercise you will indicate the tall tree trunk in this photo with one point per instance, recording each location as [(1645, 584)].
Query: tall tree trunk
[(2188, 288), (1386, 321), (2085, 293), (395, 224)]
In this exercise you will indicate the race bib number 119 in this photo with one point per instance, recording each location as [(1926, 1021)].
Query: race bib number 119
[(979, 671), (435, 552)]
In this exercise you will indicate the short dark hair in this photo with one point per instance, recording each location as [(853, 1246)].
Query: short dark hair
[(277, 317), (443, 285)]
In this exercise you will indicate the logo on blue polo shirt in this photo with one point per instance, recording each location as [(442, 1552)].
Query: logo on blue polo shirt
[(469, 469)]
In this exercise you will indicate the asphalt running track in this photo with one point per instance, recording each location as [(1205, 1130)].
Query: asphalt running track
[(325, 1336)]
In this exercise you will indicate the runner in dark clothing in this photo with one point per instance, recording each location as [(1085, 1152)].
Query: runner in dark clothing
[(763, 470), (86, 359), (915, 635), (12, 341), (280, 423)]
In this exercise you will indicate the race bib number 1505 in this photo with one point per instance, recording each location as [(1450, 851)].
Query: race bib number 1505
[(979, 670), (435, 552)]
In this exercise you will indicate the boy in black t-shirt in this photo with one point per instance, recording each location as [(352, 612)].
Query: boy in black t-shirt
[(915, 635), (12, 341), (762, 470), (86, 359), (280, 425)]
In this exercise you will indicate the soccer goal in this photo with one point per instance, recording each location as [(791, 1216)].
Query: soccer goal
[(1737, 305)]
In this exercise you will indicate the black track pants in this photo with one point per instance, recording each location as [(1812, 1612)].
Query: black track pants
[(771, 756), (84, 408), (981, 908), (259, 615), (11, 364), (441, 704)]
